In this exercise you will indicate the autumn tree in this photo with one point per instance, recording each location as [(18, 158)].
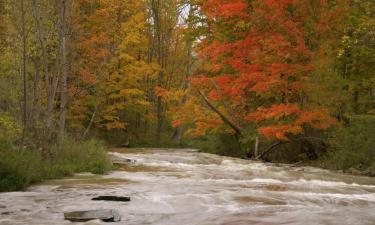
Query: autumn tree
[(113, 73), (257, 60), (127, 86)]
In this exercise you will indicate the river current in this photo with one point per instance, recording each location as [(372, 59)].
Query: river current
[(186, 187)]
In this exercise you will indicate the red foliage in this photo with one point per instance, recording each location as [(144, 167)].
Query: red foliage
[(215, 50), (280, 131), (274, 112), (177, 123), (225, 8), (159, 91), (213, 95), (269, 58), (202, 80)]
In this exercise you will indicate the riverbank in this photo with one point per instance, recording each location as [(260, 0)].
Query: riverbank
[(19, 167)]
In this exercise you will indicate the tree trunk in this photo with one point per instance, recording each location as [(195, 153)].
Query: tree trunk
[(137, 121), (49, 87), (146, 122), (256, 147), (179, 129), (24, 76), (91, 121), (156, 8), (356, 100), (63, 67), (36, 100), (159, 119)]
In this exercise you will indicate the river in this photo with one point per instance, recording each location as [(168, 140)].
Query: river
[(186, 187)]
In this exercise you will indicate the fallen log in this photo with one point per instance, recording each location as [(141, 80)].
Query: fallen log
[(111, 198)]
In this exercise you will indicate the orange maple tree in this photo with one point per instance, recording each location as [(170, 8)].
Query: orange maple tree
[(257, 60)]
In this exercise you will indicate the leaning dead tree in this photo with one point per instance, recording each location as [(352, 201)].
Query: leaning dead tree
[(226, 120)]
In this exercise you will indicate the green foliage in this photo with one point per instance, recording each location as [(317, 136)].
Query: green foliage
[(20, 168), (72, 157), (249, 136), (355, 61), (10, 130), (222, 144), (353, 146)]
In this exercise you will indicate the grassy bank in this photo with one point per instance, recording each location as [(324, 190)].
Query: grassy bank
[(20, 168)]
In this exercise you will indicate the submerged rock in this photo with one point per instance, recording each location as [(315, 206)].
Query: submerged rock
[(111, 198), (106, 215)]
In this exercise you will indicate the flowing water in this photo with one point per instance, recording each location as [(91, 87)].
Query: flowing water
[(173, 187)]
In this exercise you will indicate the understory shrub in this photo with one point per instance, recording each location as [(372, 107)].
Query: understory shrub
[(20, 167), (221, 144), (353, 146)]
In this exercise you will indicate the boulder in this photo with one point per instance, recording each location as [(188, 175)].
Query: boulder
[(106, 215)]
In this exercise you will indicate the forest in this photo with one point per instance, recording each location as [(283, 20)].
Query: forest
[(284, 81)]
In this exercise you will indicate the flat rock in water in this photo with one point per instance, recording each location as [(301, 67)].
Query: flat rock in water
[(112, 198), (106, 215)]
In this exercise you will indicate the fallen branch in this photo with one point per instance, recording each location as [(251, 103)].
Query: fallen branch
[(270, 148)]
